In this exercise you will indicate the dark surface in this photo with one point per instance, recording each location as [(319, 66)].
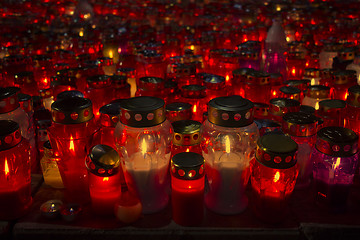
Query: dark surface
[(305, 220)]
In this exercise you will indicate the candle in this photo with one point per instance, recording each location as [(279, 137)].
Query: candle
[(128, 208), (51, 209), (187, 137), (70, 212), (187, 188)]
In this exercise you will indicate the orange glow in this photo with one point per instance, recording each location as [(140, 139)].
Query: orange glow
[(338, 160), (227, 78), (274, 93), (143, 147), (277, 176), (192, 47), (307, 64), (187, 150), (312, 81), (7, 171), (293, 71), (194, 109), (119, 50), (346, 95), (72, 147), (45, 80), (317, 106), (227, 144), (111, 55), (105, 179)]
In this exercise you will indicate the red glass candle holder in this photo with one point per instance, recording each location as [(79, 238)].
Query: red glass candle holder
[(313, 74), (250, 59), (326, 77), (238, 81), (276, 82), (302, 127), (187, 188), (187, 137), (280, 106), (267, 126), (177, 111), (295, 65), (15, 179), (99, 91), (332, 112), (196, 96), (335, 158), (151, 87), (215, 87), (104, 179), (342, 80), (71, 135), (261, 110), (315, 94), (184, 74), (273, 176), (121, 88), (61, 83), (257, 87), (26, 82), (291, 93), (151, 64), (352, 116)]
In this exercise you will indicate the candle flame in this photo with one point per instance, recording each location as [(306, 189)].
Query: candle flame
[(317, 106), (105, 179), (274, 93), (72, 147), (111, 54), (6, 168), (143, 147), (45, 80), (338, 160), (293, 71), (312, 81), (227, 78), (227, 144), (81, 33), (194, 109), (192, 47), (119, 50), (346, 95), (187, 150), (277, 176)]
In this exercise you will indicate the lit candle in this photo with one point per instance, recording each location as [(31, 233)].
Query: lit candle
[(70, 212), (51, 209)]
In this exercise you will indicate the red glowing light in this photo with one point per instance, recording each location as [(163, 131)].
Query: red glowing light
[(7, 171)]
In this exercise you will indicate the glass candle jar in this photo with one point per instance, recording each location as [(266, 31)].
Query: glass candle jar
[(104, 179), (151, 64), (342, 80), (152, 87), (215, 87), (143, 138), (250, 59), (273, 176), (295, 65), (313, 74), (196, 96), (302, 127), (280, 106), (187, 137), (130, 73), (352, 116), (184, 74), (327, 54), (291, 93), (238, 81), (177, 111), (326, 77), (27, 83), (99, 91), (121, 88), (261, 110), (335, 159), (257, 87), (47, 98), (15, 179), (70, 135), (49, 167), (315, 94), (276, 82), (187, 188), (229, 138), (332, 112)]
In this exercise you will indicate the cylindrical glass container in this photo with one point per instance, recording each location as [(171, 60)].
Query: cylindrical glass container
[(291, 93), (332, 112), (215, 87), (187, 188), (196, 96), (250, 59), (335, 158), (273, 176), (257, 87), (151, 64), (313, 74), (352, 116), (70, 135), (295, 65), (47, 98), (261, 110), (238, 81), (121, 88), (276, 82), (26, 82), (315, 94), (280, 106), (342, 80), (187, 137), (327, 54), (130, 74), (152, 87), (104, 179), (302, 127), (49, 167), (143, 138), (177, 111), (15, 179), (229, 138)]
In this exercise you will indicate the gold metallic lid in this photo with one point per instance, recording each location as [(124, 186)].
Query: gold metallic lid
[(337, 141), (183, 70), (301, 84), (299, 124), (24, 77), (8, 99), (151, 83), (187, 166), (344, 77), (353, 98), (232, 111), (98, 81), (214, 82), (193, 91), (331, 108), (257, 78), (109, 114), (291, 92), (142, 111), (326, 73), (261, 110), (318, 92), (242, 72), (312, 73), (71, 110), (280, 106), (249, 54), (10, 134), (276, 151), (103, 161), (177, 111), (186, 132)]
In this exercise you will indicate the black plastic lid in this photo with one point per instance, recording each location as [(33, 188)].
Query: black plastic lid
[(290, 90), (232, 111), (187, 166), (10, 134), (354, 96), (103, 161), (24, 97), (72, 110), (178, 106), (142, 111), (337, 141), (307, 109), (69, 94), (151, 83), (276, 151), (299, 124)]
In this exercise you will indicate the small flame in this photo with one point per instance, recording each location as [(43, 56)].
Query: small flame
[(317, 106), (119, 50), (227, 144), (312, 81), (194, 109), (293, 71), (45, 80), (143, 147), (338, 160), (7, 171), (307, 64), (346, 95), (187, 150), (105, 179), (81, 33), (277, 176), (288, 39), (111, 55), (192, 47), (274, 93), (72, 147), (227, 78)]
